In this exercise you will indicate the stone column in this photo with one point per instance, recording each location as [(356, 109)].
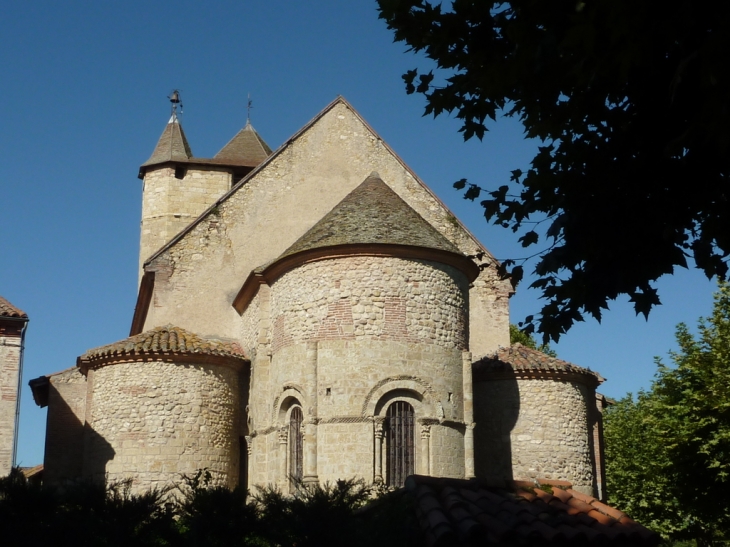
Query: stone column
[(283, 452), (310, 428), (249, 464), (468, 388), (426, 448), (378, 423)]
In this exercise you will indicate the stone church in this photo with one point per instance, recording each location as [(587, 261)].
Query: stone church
[(309, 314)]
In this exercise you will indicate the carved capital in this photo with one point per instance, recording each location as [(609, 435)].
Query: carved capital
[(283, 435), (379, 423)]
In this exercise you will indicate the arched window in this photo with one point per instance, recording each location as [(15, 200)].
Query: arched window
[(296, 442), (400, 422)]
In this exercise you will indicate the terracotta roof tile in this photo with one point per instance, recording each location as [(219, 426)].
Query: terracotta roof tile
[(166, 339), (519, 358), (8, 310), (475, 513)]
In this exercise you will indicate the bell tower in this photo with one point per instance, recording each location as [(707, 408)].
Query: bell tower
[(178, 187)]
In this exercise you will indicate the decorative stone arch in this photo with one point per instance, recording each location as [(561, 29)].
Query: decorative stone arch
[(408, 392), (420, 391), (291, 394), (289, 410)]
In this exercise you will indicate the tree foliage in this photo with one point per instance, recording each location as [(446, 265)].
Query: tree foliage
[(668, 451), (631, 101), (195, 513)]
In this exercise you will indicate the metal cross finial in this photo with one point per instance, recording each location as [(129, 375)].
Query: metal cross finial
[(248, 109)]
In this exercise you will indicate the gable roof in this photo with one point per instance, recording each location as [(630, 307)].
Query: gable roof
[(281, 149), (521, 360), (245, 148), (147, 287), (372, 213), (8, 310), (458, 512), (172, 145)]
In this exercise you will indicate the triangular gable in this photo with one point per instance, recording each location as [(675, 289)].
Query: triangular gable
[(282, 149), (321, 165)]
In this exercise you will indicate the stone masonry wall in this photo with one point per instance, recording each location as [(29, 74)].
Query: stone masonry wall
[(170, 204), (153, 421), (371, 297), (64, 452), (9, 371), (384, 327), (540, 425), (198, 278)]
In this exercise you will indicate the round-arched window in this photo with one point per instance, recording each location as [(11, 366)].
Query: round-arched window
[(400, 423), (296, 445)]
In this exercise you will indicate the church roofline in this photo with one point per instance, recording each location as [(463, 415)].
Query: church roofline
[(143, 301), (339, 100)]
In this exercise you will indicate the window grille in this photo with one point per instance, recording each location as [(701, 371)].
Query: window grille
[(401, 442), (296, 442)]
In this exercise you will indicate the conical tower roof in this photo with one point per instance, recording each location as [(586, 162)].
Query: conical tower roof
[(172, 146), (372, 213), (245, 148)]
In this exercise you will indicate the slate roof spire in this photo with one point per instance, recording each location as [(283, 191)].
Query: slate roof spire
[(173, 145), (245, 148)]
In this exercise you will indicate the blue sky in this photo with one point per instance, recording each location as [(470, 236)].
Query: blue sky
[(83, 89)]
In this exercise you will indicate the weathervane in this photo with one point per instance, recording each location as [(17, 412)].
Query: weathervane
[(175, 100), (249, 106)]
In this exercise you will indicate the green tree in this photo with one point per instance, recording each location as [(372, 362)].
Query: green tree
[(668, 452), (516, 335), (631, 101)]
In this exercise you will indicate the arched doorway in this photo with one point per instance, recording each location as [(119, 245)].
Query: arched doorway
[(400, 423)]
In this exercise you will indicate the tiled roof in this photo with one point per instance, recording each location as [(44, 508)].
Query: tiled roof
[(519, 358), (245, 148), (372, 213), (172, 146), (458, 512), (8, 310), (166, 339)]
